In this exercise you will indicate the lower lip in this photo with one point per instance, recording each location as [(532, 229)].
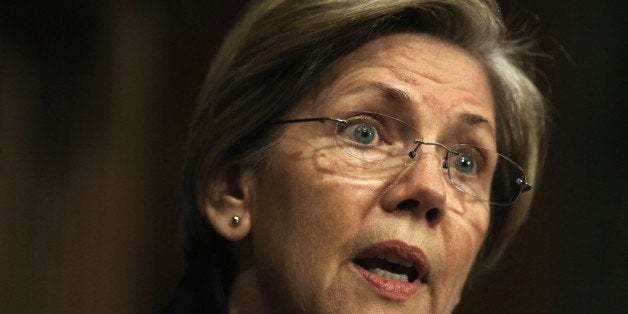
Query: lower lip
[(392, 289)]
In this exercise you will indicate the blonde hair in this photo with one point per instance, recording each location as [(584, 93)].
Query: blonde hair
[(274, 54)]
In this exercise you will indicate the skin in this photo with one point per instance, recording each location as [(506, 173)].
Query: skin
[(305, 220)]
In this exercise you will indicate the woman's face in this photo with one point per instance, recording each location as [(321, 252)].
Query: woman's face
[(327, 239)]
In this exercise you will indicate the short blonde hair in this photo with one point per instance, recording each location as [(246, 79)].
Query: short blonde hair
[(274, 54)]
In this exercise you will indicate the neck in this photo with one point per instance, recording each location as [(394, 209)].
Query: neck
[(245, 296)]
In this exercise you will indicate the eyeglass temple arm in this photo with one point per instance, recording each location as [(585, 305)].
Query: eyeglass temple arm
[(319, 119)]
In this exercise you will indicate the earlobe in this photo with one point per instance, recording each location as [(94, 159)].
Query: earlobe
[(228, 205)]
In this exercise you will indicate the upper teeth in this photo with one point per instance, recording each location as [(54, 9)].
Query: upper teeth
[(394, 258), (388, 275)]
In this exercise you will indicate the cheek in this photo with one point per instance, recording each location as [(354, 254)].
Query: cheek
[(303, 207), (462, 237), (462, 244), (310, 195), (302, 214)]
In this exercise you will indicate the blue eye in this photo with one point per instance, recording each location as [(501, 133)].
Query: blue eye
[(464, 164), (364, 133)]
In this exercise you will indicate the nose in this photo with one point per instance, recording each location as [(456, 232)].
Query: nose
[(420, 188)]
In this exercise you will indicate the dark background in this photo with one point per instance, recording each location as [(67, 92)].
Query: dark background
[(95, 97)]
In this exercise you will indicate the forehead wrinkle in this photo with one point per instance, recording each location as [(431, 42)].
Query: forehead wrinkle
[(409, 79), (429, 98)]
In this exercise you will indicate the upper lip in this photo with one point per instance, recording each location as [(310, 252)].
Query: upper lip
[(420, 260)]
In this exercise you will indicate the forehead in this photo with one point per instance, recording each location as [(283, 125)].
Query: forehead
[(421, 54), (429, 71)]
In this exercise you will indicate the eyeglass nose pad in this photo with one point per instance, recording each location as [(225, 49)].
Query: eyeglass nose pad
[(413, 154)]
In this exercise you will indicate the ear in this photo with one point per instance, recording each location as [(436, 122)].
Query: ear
[(230, 197)]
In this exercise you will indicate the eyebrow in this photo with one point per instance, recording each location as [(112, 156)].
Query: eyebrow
[(474, 119), (392, 93), (396, 94)]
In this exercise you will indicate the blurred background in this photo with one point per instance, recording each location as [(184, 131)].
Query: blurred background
[(95, 98)]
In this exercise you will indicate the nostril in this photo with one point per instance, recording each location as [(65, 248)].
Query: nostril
[(432, 215), (408, 204)]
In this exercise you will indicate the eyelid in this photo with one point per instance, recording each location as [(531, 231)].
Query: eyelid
[(470, 140), (474, 136), (363, 116), (478, 121)]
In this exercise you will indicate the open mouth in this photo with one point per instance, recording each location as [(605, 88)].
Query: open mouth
[(390, 266), (395, 269)]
